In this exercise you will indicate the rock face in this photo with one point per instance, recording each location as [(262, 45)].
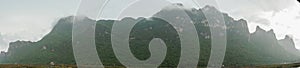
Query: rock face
[(3, 56), (243, 48), (288, 44), (19, 44)]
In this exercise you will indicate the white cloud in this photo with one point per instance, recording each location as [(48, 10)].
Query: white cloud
[(250, 9), (31, 19), (3, 43), (281, 15)]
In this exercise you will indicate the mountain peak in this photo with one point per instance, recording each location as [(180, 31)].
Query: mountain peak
[(127, 19), (259, 29), (288, 37), (78, 18), (178, 4), (209, 8), (288, 44), (271, 31), (242, 20)]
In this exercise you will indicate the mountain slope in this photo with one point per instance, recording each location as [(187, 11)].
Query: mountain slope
[(243, 48)]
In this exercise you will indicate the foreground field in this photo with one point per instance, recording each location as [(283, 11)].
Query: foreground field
[(45, 66), (35, 66), (295, 65)]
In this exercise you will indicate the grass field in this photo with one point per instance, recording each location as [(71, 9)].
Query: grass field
[(35, 66), (295, 65)]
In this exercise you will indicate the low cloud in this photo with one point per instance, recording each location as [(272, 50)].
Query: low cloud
[(3, 43), (273, 5), (255, 11), (259, 20), (298, 15), (256, 5)]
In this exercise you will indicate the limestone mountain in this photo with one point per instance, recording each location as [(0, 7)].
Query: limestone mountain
[(243, 48)]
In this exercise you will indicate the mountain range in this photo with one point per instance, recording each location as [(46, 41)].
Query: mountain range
[(243, 48)]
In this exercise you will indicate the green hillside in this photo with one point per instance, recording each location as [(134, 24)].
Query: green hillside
[(243, 48)]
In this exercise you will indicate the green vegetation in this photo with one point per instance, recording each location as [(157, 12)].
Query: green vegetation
[(243, 48)]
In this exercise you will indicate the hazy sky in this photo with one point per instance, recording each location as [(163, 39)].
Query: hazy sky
[(32, 19)]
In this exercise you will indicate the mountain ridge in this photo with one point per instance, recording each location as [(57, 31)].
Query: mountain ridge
[(243, 47)]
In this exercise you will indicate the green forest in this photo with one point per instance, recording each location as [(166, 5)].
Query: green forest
[(243, 48)]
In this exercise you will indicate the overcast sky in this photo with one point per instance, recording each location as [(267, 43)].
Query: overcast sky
[(32, 19)]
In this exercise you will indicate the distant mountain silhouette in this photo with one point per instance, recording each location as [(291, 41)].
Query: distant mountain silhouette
[(243, 48)]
